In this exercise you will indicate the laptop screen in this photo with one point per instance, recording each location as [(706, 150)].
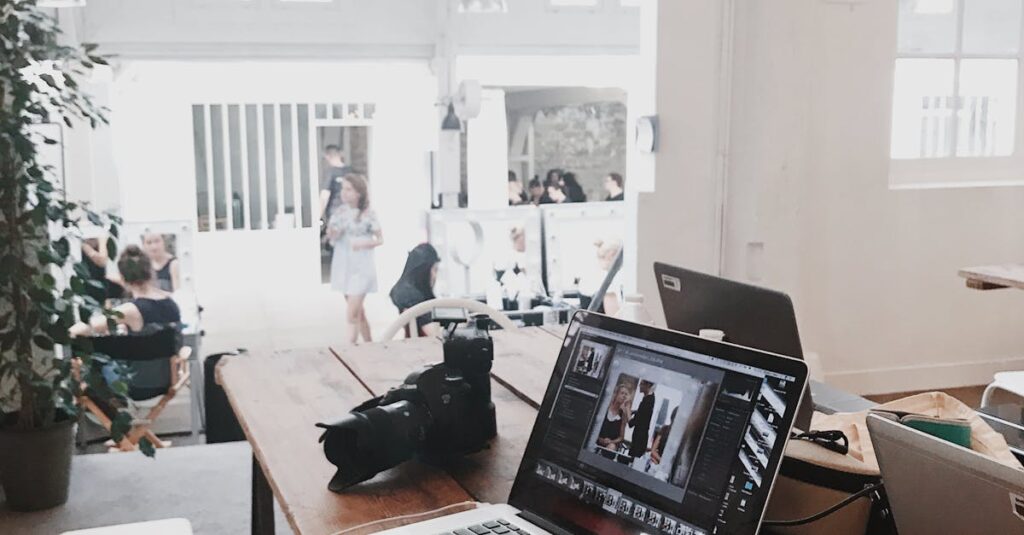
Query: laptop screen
[(645, 436)]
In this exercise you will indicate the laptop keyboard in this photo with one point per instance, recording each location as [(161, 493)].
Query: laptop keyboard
[(497, 526)]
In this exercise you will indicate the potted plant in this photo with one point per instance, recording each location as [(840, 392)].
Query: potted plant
[(43, 291)]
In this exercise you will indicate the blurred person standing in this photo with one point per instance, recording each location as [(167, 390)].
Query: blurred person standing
[(355, 232), (615, 186), (330, 181)]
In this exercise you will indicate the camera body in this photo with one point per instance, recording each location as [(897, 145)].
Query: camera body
[(438, 414)]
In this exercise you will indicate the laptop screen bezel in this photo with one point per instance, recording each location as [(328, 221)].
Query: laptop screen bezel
[(741, 355)]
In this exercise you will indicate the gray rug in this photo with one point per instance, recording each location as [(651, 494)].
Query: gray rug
[(208, 485)]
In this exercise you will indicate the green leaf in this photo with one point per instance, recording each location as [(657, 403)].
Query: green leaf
[(120, 425), (114, 231), (43, 342), (146, 447), (7, 340), (111, 250)]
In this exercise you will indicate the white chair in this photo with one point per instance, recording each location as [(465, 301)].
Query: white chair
[(1012, 382), (409, 316)]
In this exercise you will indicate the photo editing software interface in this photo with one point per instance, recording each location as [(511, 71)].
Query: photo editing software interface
[(640, 440)]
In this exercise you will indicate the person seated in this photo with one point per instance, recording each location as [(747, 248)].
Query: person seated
[(416, 285), (536, 190), (614, 184), (572, 188), (516, 195), (149, 306), (554, 195)]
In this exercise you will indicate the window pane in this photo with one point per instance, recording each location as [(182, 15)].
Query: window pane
[(992, 26), (922, 114), (483, 6), (927, 26), (988, 97)]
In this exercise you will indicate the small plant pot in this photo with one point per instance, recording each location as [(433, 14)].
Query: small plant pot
[(35, 466)]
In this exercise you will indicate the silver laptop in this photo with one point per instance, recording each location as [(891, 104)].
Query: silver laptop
[(643, 430), (935, 486)]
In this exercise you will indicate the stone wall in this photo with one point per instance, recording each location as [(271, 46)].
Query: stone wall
[(587, 139)]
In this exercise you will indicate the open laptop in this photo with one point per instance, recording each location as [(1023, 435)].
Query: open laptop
[(644, 430), (935, 486), (748, 315)]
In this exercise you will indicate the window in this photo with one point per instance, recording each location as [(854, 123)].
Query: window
[(483, 6), (256, 164), (955, 92), (573, 3)]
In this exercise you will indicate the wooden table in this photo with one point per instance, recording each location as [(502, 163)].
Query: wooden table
[(278, 397), (994, 277)]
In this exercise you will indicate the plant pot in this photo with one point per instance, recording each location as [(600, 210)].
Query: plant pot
[(35, 466)]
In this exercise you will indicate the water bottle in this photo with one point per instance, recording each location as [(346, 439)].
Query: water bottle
[(633, 309)]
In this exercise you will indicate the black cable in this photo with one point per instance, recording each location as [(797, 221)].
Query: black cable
[(818, 516)]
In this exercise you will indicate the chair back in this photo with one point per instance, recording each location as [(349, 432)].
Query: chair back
[(147, 353)]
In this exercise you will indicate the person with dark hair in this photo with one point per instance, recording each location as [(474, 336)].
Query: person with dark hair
[(573, 190), (614, 185), (166, 272), (355, 232), (554, 194), (641, 421), (330, 181), (516, 195), (416, 285), (96, 263), (554, 176), (149, 305), (536, 190)]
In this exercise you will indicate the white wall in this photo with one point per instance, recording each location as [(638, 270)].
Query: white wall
[(348, 28), (872, 270), (677, 222)]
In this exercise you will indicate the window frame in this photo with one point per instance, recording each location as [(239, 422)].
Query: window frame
[(598, 6), (961, 171)]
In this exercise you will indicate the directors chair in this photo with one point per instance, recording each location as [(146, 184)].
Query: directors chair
[(159, 365)]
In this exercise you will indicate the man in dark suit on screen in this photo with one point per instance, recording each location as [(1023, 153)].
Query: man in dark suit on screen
[(641, 421)]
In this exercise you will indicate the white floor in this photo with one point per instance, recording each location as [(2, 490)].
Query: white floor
[(269, 320)]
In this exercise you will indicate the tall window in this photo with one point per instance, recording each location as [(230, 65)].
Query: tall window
[(956, 87)]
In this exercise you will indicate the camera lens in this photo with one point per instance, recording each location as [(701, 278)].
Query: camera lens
[(365, 443)]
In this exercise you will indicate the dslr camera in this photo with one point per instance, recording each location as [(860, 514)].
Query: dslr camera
[(440, 413)]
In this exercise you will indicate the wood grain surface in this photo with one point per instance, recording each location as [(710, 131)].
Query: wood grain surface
[(523, 361), (278, 397), (994, 277)]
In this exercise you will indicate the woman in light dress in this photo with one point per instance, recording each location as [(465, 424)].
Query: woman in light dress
[(355, 232)]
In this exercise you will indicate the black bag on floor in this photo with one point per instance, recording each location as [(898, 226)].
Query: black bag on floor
[(221, 423)]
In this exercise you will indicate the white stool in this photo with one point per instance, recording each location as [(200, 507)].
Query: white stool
[(1012, 382), (170, 526)]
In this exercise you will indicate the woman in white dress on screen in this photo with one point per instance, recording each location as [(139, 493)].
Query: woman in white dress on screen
[(355, 232)]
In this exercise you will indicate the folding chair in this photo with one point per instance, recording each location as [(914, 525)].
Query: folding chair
[(143, 350)]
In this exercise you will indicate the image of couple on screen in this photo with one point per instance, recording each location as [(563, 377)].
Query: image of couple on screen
[(649, 422), (590, 360)]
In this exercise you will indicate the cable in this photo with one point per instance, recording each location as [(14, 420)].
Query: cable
[(818, 516)]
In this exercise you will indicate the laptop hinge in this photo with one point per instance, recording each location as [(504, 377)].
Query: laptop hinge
[(535, 519)]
